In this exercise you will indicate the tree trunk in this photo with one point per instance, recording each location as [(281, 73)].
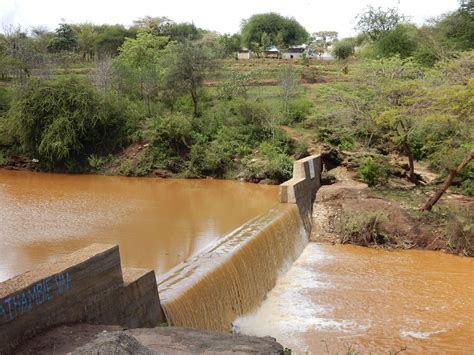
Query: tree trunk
[(411, 164), (195, 100), (452, 174)]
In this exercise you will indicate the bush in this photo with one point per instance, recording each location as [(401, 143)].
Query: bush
[(173, 138), (402, 41), (338, 137), (374, 171), (273, 163), (63, 121), (467, 187), (298, 110), (4, 100), (343, 49), (3, 158), (364, 229), (460, 232)]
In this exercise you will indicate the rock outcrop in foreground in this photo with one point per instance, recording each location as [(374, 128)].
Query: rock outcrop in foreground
[(87, 339)]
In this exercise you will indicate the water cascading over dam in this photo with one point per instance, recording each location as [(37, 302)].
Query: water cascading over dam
[(231, 278)]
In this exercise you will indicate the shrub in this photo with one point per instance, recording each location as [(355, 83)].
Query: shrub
[(343, 49), (298, 110), (3, 158), (301, 148), (402, 41), (96, 162), (63, 121), (4, 100), (364, 229), (274, 163), (374, 171), (173, 138), (460, 232), (467, 187), (237, 84), (208, 159), (338, 137)]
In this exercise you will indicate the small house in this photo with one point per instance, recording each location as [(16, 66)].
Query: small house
[(272, 52), (244, 54), (294, 52)]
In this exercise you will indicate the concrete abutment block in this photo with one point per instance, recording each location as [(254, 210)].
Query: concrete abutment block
[(85, 286)]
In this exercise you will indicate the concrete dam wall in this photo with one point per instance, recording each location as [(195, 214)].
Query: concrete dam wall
[(232, 277), (225, 280)]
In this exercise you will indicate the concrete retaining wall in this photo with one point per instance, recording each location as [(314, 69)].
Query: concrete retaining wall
[(302, 188), (86, 286)]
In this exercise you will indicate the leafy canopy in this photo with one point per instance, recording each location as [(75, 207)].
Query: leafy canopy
[(275, 29), (375, 22)]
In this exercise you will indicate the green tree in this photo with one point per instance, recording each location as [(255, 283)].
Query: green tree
[(187, 63), (375, 22), (343, 49), (65, 39), (139, 63), (321, 40), (18, 54), (281, 31), (402, 41), (180, 31), (230, 44), (458, 27), (111, 37), (87, 36)]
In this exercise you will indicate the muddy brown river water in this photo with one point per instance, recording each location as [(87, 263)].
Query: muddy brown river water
[(157, 223), (337, 299), (333, 298)]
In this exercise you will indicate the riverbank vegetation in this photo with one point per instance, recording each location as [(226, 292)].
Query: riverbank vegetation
[(169, 99)]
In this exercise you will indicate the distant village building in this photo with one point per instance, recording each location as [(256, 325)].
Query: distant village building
[(326, 56), (294, 52), (272, 52), (244, 54)]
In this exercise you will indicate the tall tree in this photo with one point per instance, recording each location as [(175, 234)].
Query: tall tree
[(87, 40), (375, 22), (111, 37), (64, 40), (282, 31), (139, 60), (187, 64)]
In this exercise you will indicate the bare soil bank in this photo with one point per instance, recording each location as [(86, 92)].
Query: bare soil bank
[(349, 212)]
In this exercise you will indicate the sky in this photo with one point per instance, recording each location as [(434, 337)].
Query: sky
[(222, 16)]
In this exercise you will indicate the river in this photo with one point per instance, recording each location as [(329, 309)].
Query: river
[(158, 223), (346, 299), (334, 299)]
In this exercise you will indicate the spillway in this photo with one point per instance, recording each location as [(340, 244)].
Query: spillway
[(232, 277)]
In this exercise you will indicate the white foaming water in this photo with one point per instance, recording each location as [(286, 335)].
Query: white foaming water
[(420, 335), (288, 308)]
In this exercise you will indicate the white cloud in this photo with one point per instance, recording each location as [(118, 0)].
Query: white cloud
[(222, 16)]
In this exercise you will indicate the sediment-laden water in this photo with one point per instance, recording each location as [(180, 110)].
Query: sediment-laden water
[(157, 223), (232, 276), (340, 298), (333, 298)]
